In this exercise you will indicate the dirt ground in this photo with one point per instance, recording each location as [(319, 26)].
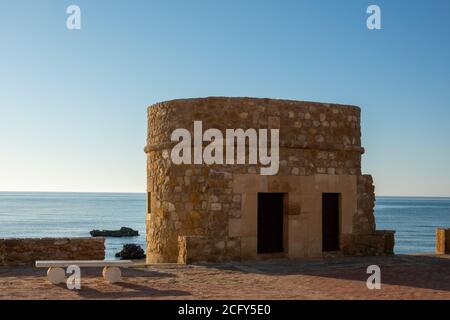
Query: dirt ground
[(402, 277)]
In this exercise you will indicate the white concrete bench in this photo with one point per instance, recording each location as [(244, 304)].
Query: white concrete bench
[(111, 269)]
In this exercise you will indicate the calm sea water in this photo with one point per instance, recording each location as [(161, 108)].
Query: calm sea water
[(415, 220), (72, 215), (75, 214)]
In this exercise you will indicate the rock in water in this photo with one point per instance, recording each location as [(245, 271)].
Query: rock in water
[(131, 251), (123, 232)]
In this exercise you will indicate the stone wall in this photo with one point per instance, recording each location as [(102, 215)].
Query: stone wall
[(197, 201), (27, 251), (207, 249), (315, 138), (364, 219), (442, 241), (380, 242), (365, 239)]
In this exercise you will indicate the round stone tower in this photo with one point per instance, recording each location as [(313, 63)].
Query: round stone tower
[(313, 201)]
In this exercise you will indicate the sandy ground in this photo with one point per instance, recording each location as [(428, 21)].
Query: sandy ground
[(402, 277)]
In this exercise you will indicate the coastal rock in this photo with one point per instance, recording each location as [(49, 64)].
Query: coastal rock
[(131, 251), (123, 232)]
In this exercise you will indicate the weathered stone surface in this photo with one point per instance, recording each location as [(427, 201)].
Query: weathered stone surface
[(122, 232), (131, 251), (442, 241), (27, 251), (191, 207), (207, 249), (372, 244), (364, 219), (366, 240)]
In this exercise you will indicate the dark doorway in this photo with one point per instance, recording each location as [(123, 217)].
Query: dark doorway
[(330, 222), (270, 222)]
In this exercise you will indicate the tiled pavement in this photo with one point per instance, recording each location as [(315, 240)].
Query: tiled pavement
[(402, 277)]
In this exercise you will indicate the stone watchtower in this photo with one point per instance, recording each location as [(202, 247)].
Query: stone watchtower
[(317, 203)]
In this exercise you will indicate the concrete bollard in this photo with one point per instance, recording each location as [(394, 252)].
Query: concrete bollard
[(442, 241)]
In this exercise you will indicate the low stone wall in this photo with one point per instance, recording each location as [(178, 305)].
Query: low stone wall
[(442, 241), (26, 251), (379, 243), (207, 249)]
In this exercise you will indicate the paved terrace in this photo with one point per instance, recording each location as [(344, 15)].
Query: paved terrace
[(403, 277)]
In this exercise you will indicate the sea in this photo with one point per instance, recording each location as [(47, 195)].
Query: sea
[(53, 214)]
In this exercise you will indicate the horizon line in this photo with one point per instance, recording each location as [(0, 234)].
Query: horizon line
[(144, 192)]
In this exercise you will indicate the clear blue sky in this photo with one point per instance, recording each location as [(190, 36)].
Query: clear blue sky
[(73, 103)]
